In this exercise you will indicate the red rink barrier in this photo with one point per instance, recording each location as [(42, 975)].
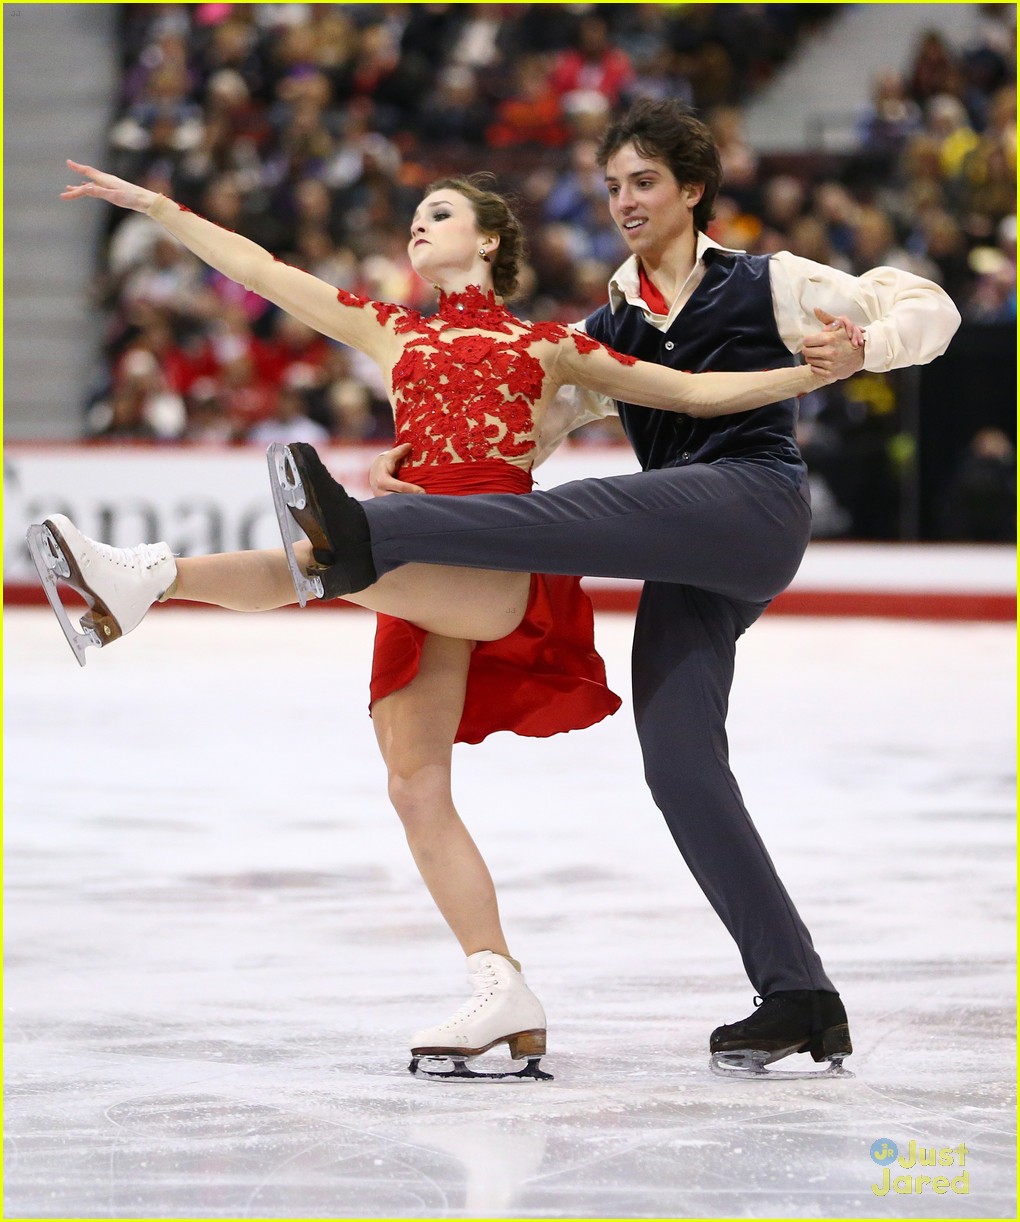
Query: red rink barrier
[(861, 604)]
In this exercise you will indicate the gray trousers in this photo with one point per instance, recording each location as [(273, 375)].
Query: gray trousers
[(714, 543)]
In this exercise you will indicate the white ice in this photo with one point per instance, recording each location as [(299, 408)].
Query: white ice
[(218, 946)]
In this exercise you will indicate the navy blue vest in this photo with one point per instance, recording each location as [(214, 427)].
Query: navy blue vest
[(728, 324)]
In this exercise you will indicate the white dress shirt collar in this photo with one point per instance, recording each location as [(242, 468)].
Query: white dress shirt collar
[(625, 285)]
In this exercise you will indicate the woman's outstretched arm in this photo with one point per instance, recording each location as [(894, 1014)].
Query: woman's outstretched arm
[(694, 394), (306, 297)]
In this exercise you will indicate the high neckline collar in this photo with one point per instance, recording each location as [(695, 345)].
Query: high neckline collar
[(472, 307)]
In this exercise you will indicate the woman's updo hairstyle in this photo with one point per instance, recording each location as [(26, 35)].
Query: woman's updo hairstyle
[(494, 216)]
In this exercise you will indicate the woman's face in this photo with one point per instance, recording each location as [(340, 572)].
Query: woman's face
[(445, 238)]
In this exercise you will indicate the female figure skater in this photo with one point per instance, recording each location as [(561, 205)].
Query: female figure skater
[(459, 652)]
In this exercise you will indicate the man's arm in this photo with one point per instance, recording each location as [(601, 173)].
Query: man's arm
[(907, 320), (573, 407)]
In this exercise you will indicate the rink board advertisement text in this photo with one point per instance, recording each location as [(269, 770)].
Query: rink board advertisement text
[(203, 499), (200, 500)]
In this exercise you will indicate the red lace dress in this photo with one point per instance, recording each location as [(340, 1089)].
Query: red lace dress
[(464, 402)]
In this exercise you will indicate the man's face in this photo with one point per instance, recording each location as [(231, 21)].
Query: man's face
[(651, 210)]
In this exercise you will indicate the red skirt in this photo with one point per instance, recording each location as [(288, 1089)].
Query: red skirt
[(546, 676)]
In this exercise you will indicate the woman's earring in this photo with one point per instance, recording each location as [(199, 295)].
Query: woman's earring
[(482, 254)]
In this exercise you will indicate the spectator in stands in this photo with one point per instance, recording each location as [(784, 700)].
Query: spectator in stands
[(305, 205), (364, 174), (875, 244), (169, 277), (644, 33), (988, 63), (532, 114), (946, 120), (230, 41), (739, 161), (577, 197), (809, 239), (987, 180), (836, 208), (292, 353), (380, 75), (315, 251), (290, 420), (208, 420), (733, 227), (940, 242), (349, 398), (592, 63), (993, 299), (248, 396), (784, 201), (223, 202), (139, 405), (933, 71), (891, 117), (184, 356), (453, 112), (980, 502), (234, 136)]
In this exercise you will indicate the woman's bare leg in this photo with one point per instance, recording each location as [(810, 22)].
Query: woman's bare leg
[(476, 604), (416, 727), (240, 581)]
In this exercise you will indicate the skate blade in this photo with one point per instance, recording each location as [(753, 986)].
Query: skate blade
[(754, 1065), (50, 563), (456, 1069), (288, 492)]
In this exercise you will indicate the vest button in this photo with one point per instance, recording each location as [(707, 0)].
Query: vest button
[(669, 345)]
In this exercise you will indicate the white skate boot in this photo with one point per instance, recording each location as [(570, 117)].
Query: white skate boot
[(501, 1010), (119, 583)]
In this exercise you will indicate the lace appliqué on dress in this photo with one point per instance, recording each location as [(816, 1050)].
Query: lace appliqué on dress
[(469, 398)]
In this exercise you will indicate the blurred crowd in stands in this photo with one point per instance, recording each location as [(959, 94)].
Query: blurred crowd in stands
[(313, 129)]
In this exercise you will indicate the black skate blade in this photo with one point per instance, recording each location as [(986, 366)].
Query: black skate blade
[(753, 1065), (456, 1069), (44, 546), (288, 490)]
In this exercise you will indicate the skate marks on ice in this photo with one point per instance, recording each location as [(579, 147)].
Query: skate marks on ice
[(217, 947)]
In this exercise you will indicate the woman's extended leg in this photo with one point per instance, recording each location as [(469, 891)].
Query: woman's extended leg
[(479, 604), (119, 584)]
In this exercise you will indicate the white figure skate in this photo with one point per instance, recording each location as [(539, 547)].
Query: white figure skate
[(119, 583), (501, 1010)]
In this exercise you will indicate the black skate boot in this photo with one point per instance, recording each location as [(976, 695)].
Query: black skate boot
[(801, 1020), (334, 522)]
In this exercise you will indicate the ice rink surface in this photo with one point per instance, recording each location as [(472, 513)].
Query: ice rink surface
[(217, 945)]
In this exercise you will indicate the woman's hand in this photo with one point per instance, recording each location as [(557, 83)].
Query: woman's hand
[(382, 478), (838, 350), (107, 186)]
